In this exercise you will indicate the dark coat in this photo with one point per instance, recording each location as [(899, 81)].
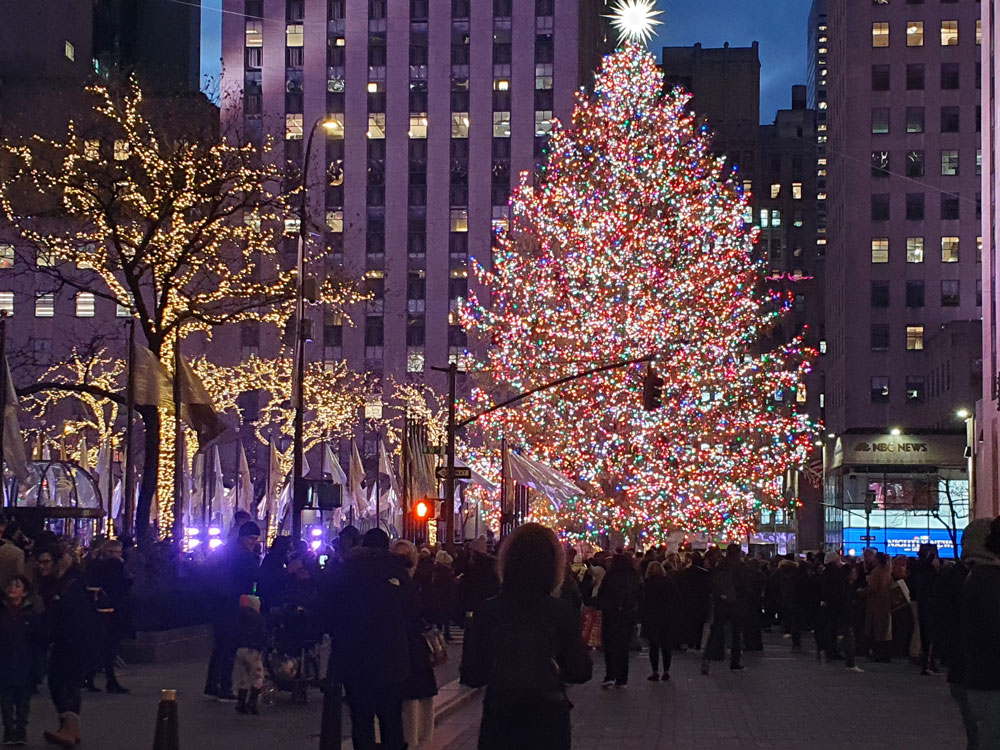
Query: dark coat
[(442, 602), (620, 591), (523, 647), (250, 631), (110, 576), (370, 630), (660, 609), (981, 628), (479, 581), (420, 682), (72, 626), (947, 600), (22, 641)]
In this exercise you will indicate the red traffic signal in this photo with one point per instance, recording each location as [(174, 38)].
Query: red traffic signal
[(422, 510)]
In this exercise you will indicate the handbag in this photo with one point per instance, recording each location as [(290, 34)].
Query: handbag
[(591, 622), (436, 646)]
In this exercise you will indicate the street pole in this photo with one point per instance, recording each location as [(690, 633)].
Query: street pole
[(449, 482), (298, 380), (129, 500), (3, 401), (178, 528)]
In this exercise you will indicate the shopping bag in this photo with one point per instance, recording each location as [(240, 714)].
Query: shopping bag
[(591, 621)]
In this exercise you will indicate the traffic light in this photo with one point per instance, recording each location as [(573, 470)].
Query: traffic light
[(422, 510), (652, 389)]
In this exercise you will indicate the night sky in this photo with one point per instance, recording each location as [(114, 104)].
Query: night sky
[(779, 26)]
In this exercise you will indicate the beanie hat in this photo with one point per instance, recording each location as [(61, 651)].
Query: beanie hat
[(249, 529), (443, 557), (831, 558)]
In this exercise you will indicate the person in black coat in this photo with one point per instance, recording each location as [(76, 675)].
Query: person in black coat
[(729, 601), (479, 581), (922, 583), (107, 573), (696, 593), (658, 613), (70, 620), (618, 600), (370, 632), (524, 645), (22, 638)]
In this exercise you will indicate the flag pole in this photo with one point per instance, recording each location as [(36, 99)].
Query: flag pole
[(3, 401), (129, 500), (178, 528)]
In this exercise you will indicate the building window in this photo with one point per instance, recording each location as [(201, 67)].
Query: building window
[(880, 207), (879, 337), (880, 164), (949, 33), (335, 220), (501, 124), (70, 51), (880, 389), (914, 119), (949, 119), (949, 207), (459, 124), (914, 249), (914, 338), (543, 122), (914, 388), (6, 255), (415, 361), (121, 150), (914, 294), (45, 305), (85, 305), (915, 77), (950, 76), (880, 294), (880, 77), (914, 33), (543, 76), (797, 191), (459, 220), (950, 293), (334, 126), (880, 120), (775, 190), (949, 162), (914, 163), (294, 36), (979, 31), (880, 34), (880, 250), (255, 34), (7, 302), (949, 249), (418, 125), (376, 125), (914, 206), (293, 126)]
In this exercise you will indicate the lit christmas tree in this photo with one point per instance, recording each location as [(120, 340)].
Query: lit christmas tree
[(631, 243)]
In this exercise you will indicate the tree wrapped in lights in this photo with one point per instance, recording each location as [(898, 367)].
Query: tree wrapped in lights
[(183, 233), (631, 243)]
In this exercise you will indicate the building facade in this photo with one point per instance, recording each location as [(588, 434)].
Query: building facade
[(429, 114)]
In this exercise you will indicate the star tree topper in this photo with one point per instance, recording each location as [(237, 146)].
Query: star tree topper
[(635, 20)]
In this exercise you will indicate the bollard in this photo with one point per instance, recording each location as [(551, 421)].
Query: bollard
[(167, 734)]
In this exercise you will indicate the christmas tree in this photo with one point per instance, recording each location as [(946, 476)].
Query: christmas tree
[(631, 242)]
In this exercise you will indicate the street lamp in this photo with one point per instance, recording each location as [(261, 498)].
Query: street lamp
[(895, 431), (299, 347), (967, 416)]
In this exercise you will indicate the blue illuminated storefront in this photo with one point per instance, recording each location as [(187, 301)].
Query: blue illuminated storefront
[(896, 492)]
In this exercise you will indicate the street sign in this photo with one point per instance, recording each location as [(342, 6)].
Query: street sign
[(867, 538), (460, 472)]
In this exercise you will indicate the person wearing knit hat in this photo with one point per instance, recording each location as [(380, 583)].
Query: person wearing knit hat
[(831, 558), (443, 557)]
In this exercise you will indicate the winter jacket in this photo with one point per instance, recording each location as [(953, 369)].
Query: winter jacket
[(981, 628), (22, 641), (373, 607), (110, 576), (878, 606), (523, 647), (72, 625), (479, 581), (660, 608), (250, 631), (620, 591)]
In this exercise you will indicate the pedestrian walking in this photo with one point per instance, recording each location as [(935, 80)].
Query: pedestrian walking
[(923, 589), (878, 610), (22, 639), (696, 594), (11, 556), (524, 646), (729, 597), (248, 667), (659, 613), (618, 601), (107, 573), (443, 593)]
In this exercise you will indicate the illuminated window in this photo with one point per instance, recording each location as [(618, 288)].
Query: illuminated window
[(45, 305), (418, 125), (543, 122), (6, 255), (880, 389), (880, 250), (949, 162), (979, 249), (765, 218), (121, 150), (914, 338), (880, 34), (85, 305), (459, 220), (44, 258), (292, 226), (334, 126), (255, 34), (949, 249), (70, 51), (376, 125), (949, 33), (335, 220), (501, 84), (914, 249), (293, 126), (797, 191), (501, 124), (914, 33), (979, 31), (459, 124), (294, 36), (92, 150), (414, 360), (775, 189), (775, 217), (7, 302), (543, 76)]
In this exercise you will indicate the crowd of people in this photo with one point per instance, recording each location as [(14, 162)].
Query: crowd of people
[(530, 618)]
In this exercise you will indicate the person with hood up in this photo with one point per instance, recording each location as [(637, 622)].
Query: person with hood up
[(524, 645), (980, 652)]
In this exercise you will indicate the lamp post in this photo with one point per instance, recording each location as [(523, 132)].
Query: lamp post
[(969, 417), (299, 347)]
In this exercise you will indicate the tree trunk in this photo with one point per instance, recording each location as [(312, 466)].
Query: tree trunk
[(144, 534)]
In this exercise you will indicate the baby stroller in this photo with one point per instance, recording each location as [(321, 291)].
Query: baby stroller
[(292, 660)]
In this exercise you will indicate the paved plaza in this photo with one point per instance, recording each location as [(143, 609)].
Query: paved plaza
[(782, 701)]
